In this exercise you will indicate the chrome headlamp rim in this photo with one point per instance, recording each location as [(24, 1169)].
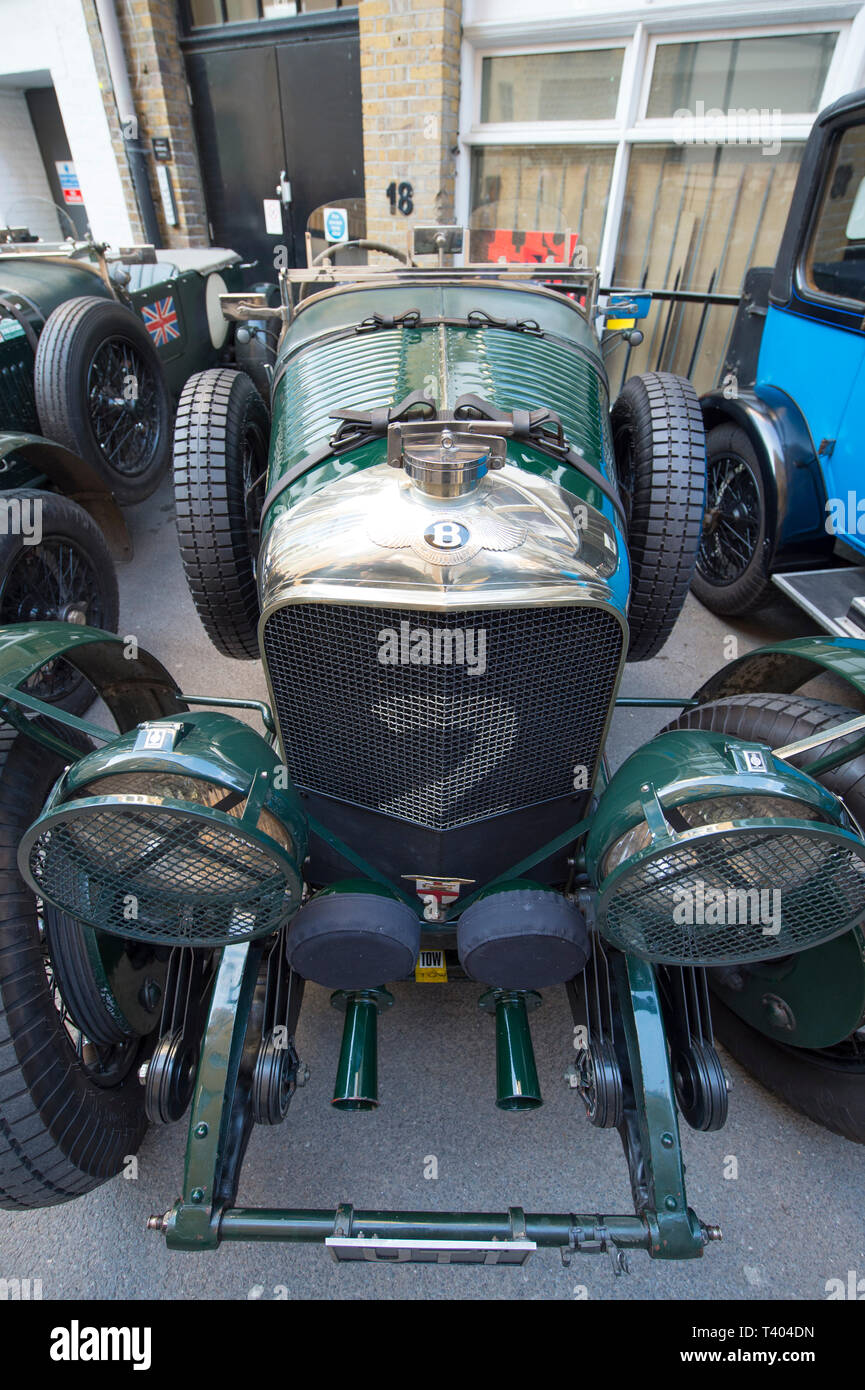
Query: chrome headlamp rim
[(83, 807), (769, 947), (641, 832)]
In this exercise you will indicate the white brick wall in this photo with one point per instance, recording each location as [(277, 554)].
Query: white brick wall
[(25, 197), (51, 35)]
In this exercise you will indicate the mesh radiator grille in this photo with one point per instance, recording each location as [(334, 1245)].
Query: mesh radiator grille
[(441, 744)]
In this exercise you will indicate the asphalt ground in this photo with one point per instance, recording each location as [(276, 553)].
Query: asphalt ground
[(792, 1219)]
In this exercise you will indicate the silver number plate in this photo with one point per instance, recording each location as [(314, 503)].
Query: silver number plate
[(435, 1252)]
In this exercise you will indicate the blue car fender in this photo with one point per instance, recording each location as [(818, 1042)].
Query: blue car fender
[(792, 479)]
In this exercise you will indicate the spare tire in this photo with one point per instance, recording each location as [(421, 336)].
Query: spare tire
[(220, 466), (826, 1084), (660, 451), (100, 390)]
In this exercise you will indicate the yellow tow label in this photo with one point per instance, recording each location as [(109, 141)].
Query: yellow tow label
[(431, 968)]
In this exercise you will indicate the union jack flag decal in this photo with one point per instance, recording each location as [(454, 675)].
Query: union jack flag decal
[(160, 320)]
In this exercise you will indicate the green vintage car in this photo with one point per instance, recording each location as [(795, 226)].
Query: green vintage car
[(444, 545), (94, 350)]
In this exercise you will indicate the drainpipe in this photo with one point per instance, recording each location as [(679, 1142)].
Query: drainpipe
[(136, 150)]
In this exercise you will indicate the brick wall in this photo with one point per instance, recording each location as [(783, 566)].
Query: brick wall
[(409, 64), (158, 79)]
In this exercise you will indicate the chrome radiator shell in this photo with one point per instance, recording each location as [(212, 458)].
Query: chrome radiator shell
[(447, 745)]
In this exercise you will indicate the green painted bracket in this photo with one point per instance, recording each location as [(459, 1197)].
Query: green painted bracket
[(12, 699), (193, 1222), (360, 863), (676, 1232), (263, 710)]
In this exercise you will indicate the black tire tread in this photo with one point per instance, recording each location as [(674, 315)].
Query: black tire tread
[(829, 1095), (209, 505), (58, 390), (669, 490)]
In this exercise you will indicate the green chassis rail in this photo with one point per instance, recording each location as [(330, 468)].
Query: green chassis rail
[(220, 1121), (205, 1215)]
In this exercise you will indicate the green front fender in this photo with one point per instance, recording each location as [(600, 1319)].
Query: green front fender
[(26, 460), (814, 1000), (783, 667), (131, 682)]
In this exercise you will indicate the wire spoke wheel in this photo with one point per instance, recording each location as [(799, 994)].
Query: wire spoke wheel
[(66, 576), (731, 530), (121, 394), (733, 574), (101, 391), (106, 1064), (253, 470)]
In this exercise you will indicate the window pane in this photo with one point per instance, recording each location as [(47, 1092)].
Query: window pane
[(835, 263), (785, 72), (582, 86), (236, 10), (543, 188), (206, 12), (696, 217)]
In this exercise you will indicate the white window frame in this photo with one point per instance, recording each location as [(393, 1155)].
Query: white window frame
[(630, 126), (794, 125), (537, 132)]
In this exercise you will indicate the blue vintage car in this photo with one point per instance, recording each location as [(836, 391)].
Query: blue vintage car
[(785, 502)]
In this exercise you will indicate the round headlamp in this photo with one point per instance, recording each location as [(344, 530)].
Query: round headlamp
[(707, 850), (182, 832)]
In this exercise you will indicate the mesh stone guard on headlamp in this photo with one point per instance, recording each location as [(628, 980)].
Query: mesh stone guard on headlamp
[(188, 843), (709, 851)]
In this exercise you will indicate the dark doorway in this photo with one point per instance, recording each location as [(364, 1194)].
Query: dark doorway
[(274, 97), (53, 145)]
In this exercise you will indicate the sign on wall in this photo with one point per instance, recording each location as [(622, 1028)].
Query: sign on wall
[(503, 244), (335, 224), (69, 184)]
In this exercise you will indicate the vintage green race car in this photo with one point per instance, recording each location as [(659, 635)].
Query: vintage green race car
[(95, 348), (444, 548)]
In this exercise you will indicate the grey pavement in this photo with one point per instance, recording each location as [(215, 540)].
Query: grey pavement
[(792, 1219)]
